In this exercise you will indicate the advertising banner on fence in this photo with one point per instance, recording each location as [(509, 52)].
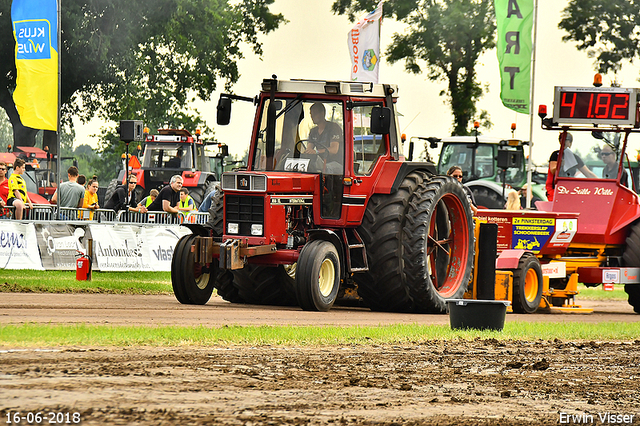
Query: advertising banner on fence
[(157, 246), (59, 245), (19, 246), (134, 248)]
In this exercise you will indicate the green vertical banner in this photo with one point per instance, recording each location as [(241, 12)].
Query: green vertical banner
[(515, 26)]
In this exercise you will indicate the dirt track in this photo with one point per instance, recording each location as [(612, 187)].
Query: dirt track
[(439, 383)]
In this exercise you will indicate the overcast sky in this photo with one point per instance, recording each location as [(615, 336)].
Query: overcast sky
[(313, 45)]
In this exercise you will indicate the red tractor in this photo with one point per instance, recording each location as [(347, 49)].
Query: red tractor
[(172, 152), (328, 206)]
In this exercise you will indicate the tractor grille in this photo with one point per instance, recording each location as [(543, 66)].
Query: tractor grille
[(245, 211)]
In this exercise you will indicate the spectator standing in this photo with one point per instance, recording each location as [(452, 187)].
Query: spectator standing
[(91, 197), (523, 198), (70, 193), (456, 173), (82, 179), (169, 197), (186, 203), (4, 184), (513, 200), (124, 198), (18, 196), (146, 201)]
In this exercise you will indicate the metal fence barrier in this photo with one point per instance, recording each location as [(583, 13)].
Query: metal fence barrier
[(48, 213)]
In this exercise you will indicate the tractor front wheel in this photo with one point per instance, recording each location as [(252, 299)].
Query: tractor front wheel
[(192, 282), (318, 276), (527, 285)]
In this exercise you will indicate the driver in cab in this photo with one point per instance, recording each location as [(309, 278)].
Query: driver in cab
[(326, 136)]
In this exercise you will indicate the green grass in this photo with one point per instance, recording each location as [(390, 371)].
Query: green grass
[(159, 283), (38, 335), (101, 282), (598, 293)]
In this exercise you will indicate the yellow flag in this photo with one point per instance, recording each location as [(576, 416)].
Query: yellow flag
[(35, 29)]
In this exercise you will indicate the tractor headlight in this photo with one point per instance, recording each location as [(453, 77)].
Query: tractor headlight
[(232, 228), (256, 229)]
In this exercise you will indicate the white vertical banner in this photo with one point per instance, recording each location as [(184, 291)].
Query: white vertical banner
[(364, 47)]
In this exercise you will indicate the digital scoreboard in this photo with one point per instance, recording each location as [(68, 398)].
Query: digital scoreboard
[(595, 105)]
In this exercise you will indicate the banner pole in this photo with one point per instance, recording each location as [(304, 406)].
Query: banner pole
[(531, 103), (59, 130)]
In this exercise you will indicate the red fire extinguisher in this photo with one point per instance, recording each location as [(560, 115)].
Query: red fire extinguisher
[(83, 267)]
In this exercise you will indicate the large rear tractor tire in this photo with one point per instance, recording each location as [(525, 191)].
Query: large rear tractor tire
[(383, 286), (264, 285), (631, 258), (226, 288), (192, 282), (216, 214), (318, 276), (527, 285), (438, 245)]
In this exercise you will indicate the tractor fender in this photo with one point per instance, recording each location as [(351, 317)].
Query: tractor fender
[(199, 229), (406, 168), (494, 186), (333, 238), (509, 259)]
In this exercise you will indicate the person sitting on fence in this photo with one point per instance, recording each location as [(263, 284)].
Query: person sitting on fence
[(206, 202), (168, 197), (186, 203), (18, 196), (90, 199), (125, 198), (71, 193), (146, 201)]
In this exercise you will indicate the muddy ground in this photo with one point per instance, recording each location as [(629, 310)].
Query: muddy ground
[(482, 382)]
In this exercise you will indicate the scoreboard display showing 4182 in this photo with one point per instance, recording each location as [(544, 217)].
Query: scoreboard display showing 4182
[(595, 105)]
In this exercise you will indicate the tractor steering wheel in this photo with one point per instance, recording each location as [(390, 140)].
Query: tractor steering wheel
[(300, 147)]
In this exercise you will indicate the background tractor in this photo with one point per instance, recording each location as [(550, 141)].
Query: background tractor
[(172, 152), (490, 166), (316, 214)]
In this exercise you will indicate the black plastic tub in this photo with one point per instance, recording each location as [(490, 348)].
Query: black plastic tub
[(477, 314)]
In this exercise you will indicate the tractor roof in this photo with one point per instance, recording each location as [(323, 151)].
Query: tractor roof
[(351, 88)]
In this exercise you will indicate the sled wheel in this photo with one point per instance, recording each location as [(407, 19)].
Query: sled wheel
[(192, 282), (318, 276), (527, 285)]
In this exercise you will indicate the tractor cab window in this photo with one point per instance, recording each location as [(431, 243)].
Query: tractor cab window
[(167, 156), (367, 147), (462, 155), (309, 137)]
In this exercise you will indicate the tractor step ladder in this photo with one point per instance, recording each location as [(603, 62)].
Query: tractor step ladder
[(356, 249)]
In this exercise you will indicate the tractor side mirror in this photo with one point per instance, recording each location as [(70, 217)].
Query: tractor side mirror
[(380, 120), (224, 111)]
